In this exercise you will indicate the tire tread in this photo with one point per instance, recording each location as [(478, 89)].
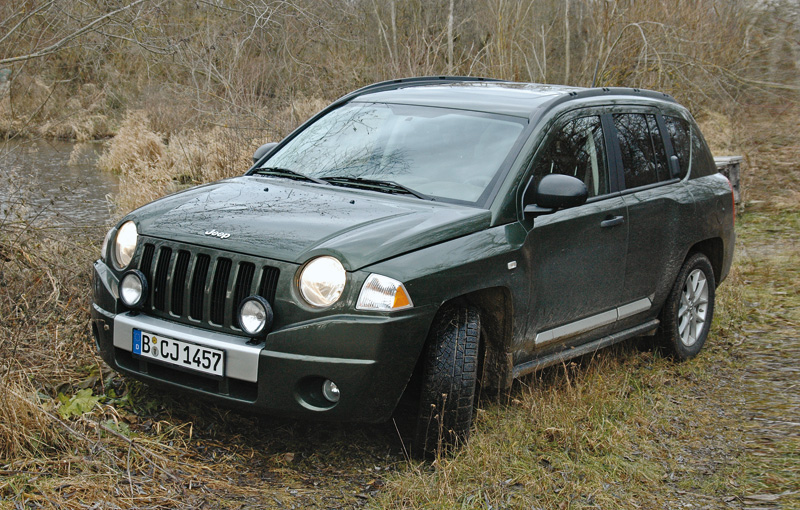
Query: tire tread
[(450, 369)]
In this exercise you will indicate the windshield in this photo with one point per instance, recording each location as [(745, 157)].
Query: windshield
[(438, 152)]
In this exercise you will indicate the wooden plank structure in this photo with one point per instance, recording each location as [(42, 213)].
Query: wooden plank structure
[(729, 166)]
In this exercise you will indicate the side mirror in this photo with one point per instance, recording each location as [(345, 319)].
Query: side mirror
[(261, 151), (557, 191)]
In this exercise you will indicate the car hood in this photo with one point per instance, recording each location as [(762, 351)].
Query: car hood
[(294, 221)]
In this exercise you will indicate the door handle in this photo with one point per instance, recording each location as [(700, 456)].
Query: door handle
[(612, 221)]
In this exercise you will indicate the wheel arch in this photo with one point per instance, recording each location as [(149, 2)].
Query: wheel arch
[(713, 249), (496, 309)]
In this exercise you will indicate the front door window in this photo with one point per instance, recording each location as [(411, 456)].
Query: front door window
[(578, 150)]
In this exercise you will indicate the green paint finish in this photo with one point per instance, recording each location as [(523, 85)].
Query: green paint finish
[(526, 272)]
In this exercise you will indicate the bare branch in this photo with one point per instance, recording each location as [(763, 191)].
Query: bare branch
[(55, 47), (26, 18)]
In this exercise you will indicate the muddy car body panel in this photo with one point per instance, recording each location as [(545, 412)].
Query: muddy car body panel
[(550, 283)]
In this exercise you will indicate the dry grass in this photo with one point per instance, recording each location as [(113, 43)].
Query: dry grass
[(149, 167), (152, 164), (33, 108), (598, 433), (771, 179), (622, 429), (628, 429), (26, 431)]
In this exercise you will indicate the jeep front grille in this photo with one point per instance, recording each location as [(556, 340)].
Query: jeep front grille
[(202, 287)]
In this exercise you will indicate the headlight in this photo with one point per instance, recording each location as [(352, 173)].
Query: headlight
[(383, 293), (104, 247), (255, 315), (125, 244), (322, 281)]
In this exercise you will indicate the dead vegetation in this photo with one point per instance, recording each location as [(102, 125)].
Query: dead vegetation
[(622, 429), (152, 164), (240, 63)]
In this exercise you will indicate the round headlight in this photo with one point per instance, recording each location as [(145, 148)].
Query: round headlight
[(322, 281), (133, 288), (255, 315), (104, 247), (125, 244)]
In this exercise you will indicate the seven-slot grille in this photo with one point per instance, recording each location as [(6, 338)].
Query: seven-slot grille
[(203, 288)]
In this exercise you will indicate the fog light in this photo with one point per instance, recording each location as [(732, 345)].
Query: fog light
[(255, 315), (133, 288), (330, 390)]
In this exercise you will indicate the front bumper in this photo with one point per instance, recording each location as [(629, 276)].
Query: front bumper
[(283, 375)]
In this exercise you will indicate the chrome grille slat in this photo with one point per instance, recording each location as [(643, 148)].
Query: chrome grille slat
[(194, 285)]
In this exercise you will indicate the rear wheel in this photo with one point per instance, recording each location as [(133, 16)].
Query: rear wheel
[(449, 378), (686, 317)]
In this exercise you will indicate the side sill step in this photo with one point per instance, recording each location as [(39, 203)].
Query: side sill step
[(558, 357)]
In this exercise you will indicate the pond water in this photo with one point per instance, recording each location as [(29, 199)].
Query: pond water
[(55, 184)]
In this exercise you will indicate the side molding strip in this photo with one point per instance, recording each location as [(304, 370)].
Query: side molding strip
[(558, 357), (595, 321)]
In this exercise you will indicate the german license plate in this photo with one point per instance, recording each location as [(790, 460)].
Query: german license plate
[(179, 353)]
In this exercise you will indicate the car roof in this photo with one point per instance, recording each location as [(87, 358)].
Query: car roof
[(517, 99), (490, 96)]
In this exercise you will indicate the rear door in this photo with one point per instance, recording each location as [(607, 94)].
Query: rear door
[(657, 203)]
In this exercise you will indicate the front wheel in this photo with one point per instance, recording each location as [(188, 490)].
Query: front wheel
[(686, 316), (450, 374)]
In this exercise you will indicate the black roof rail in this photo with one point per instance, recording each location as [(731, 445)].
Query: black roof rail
[(417, 81), (600, 92), (636, 92)]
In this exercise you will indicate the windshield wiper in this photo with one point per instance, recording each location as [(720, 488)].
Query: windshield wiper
[(289, 174), (375, 184)]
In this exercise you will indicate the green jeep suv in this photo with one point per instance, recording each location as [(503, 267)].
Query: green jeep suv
[(446, 231)]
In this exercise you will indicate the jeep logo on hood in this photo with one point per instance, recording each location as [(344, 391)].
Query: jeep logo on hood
[(221, 235)]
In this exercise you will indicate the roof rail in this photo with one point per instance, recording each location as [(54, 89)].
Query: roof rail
[(417, 81), (600, 92), (636, 92)]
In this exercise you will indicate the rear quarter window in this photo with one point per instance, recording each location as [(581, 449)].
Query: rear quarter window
[(702, 160), (690, 147)]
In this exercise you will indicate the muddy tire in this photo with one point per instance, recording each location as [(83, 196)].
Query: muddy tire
[(449, 379), (687, 314)]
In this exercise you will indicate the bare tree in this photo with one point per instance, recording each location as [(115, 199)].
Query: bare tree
[(65, 32)]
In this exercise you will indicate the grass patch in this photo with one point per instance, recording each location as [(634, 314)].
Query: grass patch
[(624, 428)]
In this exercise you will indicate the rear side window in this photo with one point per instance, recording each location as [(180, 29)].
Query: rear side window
[(644, 158), (689, 147), (578, 149), (702, 160)]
